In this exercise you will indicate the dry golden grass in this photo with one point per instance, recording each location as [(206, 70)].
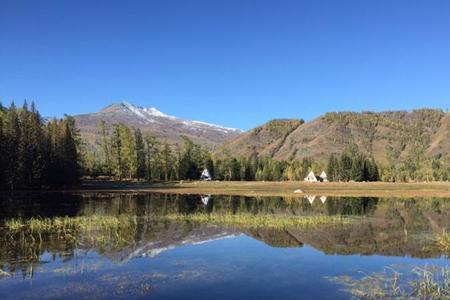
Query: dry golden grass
[(286, 188), (443, 240)]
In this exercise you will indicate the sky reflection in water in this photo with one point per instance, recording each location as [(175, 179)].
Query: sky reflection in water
[(122, 246)]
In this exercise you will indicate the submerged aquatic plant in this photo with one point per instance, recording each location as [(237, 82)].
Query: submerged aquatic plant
[(429, 282), (256, 221)]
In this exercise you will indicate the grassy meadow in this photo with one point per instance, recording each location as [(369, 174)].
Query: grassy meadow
[(281, 188)]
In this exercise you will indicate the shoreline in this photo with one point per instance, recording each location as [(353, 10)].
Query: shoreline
[(268, 188)]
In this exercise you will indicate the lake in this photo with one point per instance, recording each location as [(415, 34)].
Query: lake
[(115, 245)]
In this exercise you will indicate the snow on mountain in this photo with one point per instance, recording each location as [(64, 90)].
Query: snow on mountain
[(149, 114), (146, 113), (151, 120)]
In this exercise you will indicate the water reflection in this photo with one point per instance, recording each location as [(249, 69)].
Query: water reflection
[(205, 199), (125, 226)]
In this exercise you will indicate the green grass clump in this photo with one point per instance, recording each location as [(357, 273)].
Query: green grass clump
[(95, 231), (66, 224), (256, 221)]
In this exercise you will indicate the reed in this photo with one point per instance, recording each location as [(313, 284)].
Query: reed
[(256, 221), (429, 282), (96, 230), (443, 241)]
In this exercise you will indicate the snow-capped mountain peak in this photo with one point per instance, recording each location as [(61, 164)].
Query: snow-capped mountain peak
[(146, 112), (153, 121), (149, 115)]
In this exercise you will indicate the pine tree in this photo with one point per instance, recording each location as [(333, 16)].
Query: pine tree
[(69, 151), (25, 158), (333, 168), (305, 167), (13, 136), (140, 154), (128, 152), (373, 170), (37, 149), (254, 164), (266, 171), (116, 147), (345, 166), (167, 161), (235, 169), (187, 165), (151, 150), (105, 143), (357, 169), (276, 170)]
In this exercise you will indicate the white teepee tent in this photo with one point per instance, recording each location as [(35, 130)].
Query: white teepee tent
[(323, 175), (205, 175), (311, 177)]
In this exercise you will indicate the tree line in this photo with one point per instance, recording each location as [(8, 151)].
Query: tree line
[(352, 166), (34, 153), (126, 153), (37, 153)]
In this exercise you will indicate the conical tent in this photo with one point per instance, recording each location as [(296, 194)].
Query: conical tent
[(311, 177), (323, 175), (205, 175)]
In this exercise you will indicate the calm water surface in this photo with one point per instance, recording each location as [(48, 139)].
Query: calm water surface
[(147, 246)]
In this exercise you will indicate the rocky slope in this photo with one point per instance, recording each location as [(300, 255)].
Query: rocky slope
[(385, 135), (155, 122)]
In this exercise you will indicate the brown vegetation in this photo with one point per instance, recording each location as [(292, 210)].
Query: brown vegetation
[(285, 188)]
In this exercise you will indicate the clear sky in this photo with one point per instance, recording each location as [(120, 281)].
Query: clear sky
[(235, 63)]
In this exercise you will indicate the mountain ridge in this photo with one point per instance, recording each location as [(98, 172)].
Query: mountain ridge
[(151, 120), (388, 135)]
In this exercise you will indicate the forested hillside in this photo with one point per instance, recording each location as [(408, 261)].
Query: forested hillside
[(411, 145), (126, 153), (390, 146)]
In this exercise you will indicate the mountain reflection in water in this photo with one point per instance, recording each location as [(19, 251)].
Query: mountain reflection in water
[(122, 227)]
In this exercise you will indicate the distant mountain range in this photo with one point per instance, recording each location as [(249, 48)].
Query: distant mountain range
[(387, 136), (390, 135), (151, 120)]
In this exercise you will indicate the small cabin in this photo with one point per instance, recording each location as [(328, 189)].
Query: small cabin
[(205, 175)]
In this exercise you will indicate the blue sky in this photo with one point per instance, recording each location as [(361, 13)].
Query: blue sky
[(235, 63)]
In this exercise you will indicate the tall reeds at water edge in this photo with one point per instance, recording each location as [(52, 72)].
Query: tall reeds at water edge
[(28, 238), (256, 221), (399, 282), (443, 240)]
